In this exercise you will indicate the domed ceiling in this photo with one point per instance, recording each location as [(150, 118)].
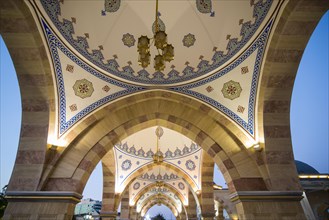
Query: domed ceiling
[(181, 157), (219, 47), (205, 36)]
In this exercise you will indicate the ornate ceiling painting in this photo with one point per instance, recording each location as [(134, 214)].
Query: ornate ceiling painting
[(81, 89), (148, 180), (95, 65), (180, 156), (98, 44), (218, 61), (153, 194)]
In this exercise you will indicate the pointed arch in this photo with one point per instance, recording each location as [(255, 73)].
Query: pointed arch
[(153, 203), (114, 126), (167, 186), (287, 42), (164, 198), (24, 42)]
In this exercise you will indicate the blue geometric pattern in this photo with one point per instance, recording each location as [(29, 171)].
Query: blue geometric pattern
[(258, 45), (53, 9), (64, 124), (168, 155), (154, 177)]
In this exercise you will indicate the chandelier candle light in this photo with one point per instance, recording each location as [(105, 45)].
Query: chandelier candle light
[(165, 50)]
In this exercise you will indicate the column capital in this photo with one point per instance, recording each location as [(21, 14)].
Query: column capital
[(266, 196), (42, 196), (108, 214)]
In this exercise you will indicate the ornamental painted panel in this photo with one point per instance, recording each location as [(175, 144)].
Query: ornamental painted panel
[(189, 40), (74, 34), (86, 82), (190, 165), (83, 88), (126, 165), (231, 90), (128, 40)]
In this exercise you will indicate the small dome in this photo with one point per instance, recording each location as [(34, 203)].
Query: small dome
[(303, 168)]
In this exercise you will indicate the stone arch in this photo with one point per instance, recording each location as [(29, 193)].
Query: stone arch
[(29, 55), (287, 43), (38, 168), (167, 166), (152, 203), (167, 186), (84, 152), (163, 197)]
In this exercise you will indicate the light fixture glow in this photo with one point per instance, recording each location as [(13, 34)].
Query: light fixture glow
[(322, 176), (257, 147), (52, 140)]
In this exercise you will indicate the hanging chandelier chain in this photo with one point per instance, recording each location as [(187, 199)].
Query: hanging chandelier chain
[(156, 16), (165, 50)]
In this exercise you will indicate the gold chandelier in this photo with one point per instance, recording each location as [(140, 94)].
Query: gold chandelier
[(157, 157), (165, 50)]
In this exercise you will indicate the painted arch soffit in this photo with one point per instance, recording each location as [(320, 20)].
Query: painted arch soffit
[(185, 157), (165, 194), (138, 186), (83, 88), (107, 39)]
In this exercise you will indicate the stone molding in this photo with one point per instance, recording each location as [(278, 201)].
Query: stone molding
[(39, 196), (108, 214), (266, 196)]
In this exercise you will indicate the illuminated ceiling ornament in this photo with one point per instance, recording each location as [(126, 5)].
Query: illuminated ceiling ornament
[(158, 157), (165, 50)]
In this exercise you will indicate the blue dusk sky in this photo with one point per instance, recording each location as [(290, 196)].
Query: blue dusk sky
[(309, 114)]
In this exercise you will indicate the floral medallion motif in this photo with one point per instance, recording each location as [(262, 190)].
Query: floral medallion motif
[(112, 5), (190, 165), (181, 186), (128, 40), (189, 40), (205, 6), (136, 186), (231, 90), (126, 165), (83, 88)]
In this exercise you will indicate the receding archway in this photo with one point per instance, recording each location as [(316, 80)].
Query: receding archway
[(60, 169)]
